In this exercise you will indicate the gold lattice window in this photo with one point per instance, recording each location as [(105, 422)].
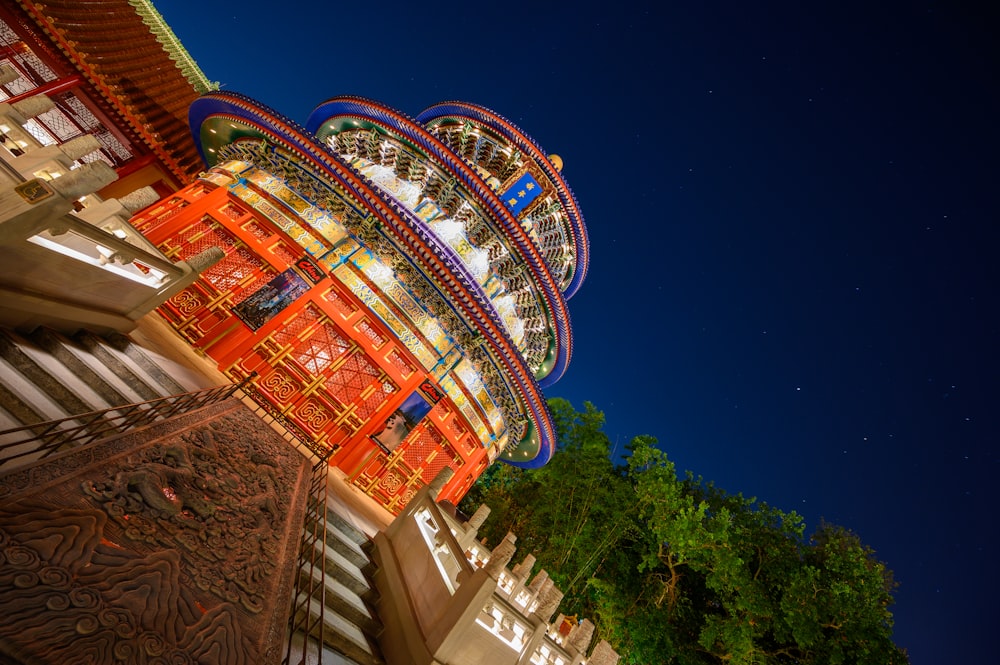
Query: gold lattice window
[(257, 231), (284, 254), (345, 308), (285, 335), (351, 378), (320, 350), (378, 397), (232, 211), (371, 333), (400, 363), (230, 271)]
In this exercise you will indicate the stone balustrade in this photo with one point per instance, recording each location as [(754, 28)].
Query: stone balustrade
[(445, 599), (70, 258)]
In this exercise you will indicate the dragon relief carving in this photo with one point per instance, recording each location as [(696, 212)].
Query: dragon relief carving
[(219, 505), (171, 553)]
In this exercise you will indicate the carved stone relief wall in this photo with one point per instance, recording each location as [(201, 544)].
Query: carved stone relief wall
[(174, 544)]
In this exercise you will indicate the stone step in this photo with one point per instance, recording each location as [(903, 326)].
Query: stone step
[(339, 633), (85, 367), (153, 364), (121, 366), (343, 600), (312, 650), (355, 534), (47, 374), (346, 572), (22, 401), (341, 540)]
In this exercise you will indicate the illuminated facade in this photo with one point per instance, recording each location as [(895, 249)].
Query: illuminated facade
[(397, 285)]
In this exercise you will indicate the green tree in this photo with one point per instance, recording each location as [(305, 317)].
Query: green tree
[(675, 570)]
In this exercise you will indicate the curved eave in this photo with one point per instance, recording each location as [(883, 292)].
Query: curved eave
[(515, 456), (526, 145), (225, 112), (337, 113)]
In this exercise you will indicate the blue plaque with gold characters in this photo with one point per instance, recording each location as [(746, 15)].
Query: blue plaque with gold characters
[(522, 193)]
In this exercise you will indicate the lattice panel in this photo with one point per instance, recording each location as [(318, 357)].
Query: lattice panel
[(8, 36), (345, 308), (230, 271), (313, 415), (59, 124), (421, 443), (407, 494), (351, 378), (231, 211), (284, 254), (187, 302), (368, 331), (279, 386), (160, 214), (252, 287), (32, 63), (375, 400), (391, 482), (257, 231), (320, 350), (447, 457), (79, 112), (291, 330), (18, 86), (112, 146), (200, 236), (400, 363)]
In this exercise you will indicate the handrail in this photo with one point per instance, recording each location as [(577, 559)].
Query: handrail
[(41, 440), (263, 407), (310, 578)]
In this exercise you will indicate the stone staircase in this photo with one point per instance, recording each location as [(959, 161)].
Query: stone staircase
[(341, 592), (46, 376)]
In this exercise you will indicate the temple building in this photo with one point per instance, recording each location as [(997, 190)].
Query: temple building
[(360, 315), (396, 287)]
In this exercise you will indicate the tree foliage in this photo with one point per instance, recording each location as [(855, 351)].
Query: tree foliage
[(675, 570)]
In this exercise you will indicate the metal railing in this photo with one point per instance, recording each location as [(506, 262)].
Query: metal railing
[(265, 410), (310, 578), (41, 440)]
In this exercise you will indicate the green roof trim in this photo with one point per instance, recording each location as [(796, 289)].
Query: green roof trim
[(175, 50)]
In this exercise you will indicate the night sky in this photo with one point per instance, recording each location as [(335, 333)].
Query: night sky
[(791, 211)]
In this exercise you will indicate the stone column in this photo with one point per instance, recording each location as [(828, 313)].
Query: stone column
[(548, 600), (540, 579), (478, 517), (603, 655), (8, 74), (581, 635), (36, 205), (33, 106), (440, 480), (137, 200), (192, 268), (501, 556), (523, 569)]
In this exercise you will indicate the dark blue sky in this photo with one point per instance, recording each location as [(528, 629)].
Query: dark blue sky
[(792, 212)]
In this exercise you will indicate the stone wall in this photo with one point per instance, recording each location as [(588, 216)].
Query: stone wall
[(172, 544)]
